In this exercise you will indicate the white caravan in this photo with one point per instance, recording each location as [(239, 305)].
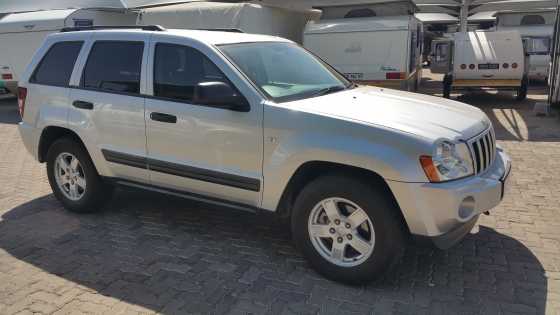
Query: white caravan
[(21, 34), (536, 29), (246, 17), (378, 50), (481, 59)]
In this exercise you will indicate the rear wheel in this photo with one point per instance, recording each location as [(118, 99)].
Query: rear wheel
[(522, 90), (73, 178), (347, 230)]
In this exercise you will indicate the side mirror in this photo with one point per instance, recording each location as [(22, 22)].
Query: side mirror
[(220, 94)]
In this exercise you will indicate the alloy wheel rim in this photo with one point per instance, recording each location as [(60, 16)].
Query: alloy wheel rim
[(70, 176), (341, 232)]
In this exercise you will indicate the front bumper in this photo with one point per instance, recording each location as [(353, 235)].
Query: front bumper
[(446, 212)]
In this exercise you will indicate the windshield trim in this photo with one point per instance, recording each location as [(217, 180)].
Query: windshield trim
[(289, 98)]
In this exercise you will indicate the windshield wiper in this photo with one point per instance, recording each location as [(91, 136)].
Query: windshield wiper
[(329, 90)]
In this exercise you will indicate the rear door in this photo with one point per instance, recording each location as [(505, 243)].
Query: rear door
[(108, 107), (441, 56)]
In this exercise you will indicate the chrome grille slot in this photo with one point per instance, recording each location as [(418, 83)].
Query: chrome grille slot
[(483, 150)]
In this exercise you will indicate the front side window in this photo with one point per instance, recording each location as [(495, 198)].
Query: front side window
[(285, 71), (57, 64), (179, 69), (114, 66)]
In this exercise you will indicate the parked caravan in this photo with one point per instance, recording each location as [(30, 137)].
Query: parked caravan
[(379, 50), (481, 59), (246, 17), (536, 29), (378, 43), (22, 33)]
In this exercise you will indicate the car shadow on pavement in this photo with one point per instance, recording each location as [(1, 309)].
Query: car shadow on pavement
[(174, 256), (9, 113)]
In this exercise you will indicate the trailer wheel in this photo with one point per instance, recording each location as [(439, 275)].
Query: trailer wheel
[(447, 79), (522, 90)]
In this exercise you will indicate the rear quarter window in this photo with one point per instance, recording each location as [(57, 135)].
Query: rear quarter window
[(57, 65)]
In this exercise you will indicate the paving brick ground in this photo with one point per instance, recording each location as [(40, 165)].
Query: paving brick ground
[(147, 253)]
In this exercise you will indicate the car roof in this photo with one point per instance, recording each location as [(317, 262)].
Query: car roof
[(204, 36)]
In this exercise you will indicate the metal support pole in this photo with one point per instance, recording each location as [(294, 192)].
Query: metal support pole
[(463, 17)]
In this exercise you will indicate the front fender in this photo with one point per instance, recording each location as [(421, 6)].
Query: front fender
[(390, 155)]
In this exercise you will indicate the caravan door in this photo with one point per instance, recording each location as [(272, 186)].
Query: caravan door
[(441, 56)]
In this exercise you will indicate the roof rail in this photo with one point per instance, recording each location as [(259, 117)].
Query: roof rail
[(229, 30), (155, 28)]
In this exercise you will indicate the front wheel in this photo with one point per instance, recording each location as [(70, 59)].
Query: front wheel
[(348, 230), (73, 177)]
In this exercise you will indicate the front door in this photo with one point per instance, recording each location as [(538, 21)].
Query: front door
[(198, 148), (441, 56)]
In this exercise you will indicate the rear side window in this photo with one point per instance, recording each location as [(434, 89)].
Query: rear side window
[(114, 66), (178, 69), (57, 64)]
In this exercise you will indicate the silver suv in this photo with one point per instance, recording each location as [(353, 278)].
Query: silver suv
[(258, 123)]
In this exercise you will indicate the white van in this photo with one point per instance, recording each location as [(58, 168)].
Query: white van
[(536, 29), (383, 50), (21, 34), (246, 17), (481, 59)]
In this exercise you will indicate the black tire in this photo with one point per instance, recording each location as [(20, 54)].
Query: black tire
[(522, 90), (383, 213), (96, 192), (447, 80)]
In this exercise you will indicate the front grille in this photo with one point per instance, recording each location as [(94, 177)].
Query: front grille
[(483, 150)]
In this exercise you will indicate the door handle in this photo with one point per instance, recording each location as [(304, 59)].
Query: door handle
[(83, 105), (161, 117)]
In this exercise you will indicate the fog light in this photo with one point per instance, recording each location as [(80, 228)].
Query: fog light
[(466, 208)]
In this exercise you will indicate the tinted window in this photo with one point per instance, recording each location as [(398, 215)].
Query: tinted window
[(178, 69), (57, 64), (360, 13), (532, 20), (114, 66)]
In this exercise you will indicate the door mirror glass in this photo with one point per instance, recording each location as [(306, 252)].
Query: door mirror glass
[(220, 94)]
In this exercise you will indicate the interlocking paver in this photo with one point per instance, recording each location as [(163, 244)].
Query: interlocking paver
[(147, 253)]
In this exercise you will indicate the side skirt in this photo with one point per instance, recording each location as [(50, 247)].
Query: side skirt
[(186, 195)]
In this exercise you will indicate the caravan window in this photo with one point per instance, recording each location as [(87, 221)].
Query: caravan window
[(532, 19), (114, 66), (537, 45), (57, 64), (360, 13)]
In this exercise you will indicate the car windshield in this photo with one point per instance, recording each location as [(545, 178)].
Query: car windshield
[(284, 71)]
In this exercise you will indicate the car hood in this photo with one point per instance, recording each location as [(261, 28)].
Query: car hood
[(422, 115)]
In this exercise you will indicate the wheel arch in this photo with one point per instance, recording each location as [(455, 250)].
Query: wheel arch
[(51, 134), (312, 170)]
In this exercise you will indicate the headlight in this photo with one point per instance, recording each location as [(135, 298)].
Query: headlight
[(450, 160)]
